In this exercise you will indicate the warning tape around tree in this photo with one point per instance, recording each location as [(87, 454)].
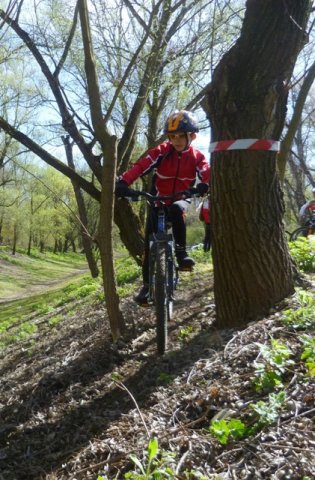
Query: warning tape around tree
[(245, 144)]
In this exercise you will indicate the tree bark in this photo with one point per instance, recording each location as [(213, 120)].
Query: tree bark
[(86, 240), (109, 148), (247, 99), (295, 121)]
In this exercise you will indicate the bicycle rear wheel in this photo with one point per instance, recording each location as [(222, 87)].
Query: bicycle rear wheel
[(299, 232), (161, 298)]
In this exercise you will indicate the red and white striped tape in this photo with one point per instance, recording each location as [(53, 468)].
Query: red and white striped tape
[(245, 144)]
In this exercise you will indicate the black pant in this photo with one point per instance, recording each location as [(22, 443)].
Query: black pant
[(176, 215), (207, 238)]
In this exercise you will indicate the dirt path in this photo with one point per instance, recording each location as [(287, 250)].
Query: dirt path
[(30, 290)]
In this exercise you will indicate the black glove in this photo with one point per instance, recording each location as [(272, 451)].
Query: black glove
[(122, 189), (202, 188)]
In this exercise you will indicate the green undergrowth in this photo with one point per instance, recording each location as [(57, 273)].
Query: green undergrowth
[(302, 251), (18, 318)]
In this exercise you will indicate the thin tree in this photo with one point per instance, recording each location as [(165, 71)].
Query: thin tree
[(83, 216), (108, 144), (287, 141)]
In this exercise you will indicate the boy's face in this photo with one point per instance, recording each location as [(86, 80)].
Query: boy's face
[(180, 140)]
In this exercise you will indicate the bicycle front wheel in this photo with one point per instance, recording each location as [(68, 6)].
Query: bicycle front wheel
[(161, 298), (299, 232)]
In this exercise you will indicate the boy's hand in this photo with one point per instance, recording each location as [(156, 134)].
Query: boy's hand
[(121, 189), (202, 188)]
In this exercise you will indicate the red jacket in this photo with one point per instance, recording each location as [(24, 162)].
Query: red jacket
[(174, 171)]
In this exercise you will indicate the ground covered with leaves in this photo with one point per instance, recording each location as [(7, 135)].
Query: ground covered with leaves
[(230, 404)]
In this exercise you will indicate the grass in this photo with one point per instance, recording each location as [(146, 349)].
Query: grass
[(22, 275), (20, 271), (17, 318)]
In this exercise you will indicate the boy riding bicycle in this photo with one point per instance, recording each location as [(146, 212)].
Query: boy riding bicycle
[(176, 165)]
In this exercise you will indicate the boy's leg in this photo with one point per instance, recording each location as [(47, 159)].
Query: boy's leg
[(176, 214), (207, 239)]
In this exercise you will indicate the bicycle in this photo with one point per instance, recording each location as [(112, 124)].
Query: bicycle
[(305, 231), (163, 272)]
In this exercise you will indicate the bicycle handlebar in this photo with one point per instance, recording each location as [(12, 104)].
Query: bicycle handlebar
[(135, 194)]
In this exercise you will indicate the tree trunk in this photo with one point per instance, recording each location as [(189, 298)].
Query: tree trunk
[(130, 229), (29, 245), (41, 246), (295, 121), (247, 99), (105, 238), (86, 240), (15, 237), (109, 149)]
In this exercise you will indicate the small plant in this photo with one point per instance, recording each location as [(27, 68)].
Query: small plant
[(224, 430), (158, 464), (166, 377), (303, 253), (303, 317), (274, 363), (308, 354), (268, 412), (185, 332), (86, 290), (55, 320), (200, 256), (42, 308), (265, 413)]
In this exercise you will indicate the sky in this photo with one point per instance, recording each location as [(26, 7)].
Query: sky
[(202, 143)]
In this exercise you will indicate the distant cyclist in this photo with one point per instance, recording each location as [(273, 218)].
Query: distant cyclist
[(307, 212), (176, 166)]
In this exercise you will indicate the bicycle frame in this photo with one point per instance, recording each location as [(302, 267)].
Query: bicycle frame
[(163, 275)]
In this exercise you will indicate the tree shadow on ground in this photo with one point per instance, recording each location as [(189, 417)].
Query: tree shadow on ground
[(78, 401)]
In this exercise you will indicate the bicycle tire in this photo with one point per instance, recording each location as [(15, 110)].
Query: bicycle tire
[(299, 232), (161, 299)]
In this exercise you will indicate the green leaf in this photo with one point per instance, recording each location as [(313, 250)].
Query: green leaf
[(220, 431), (153, 448), (237, 428), (137, 462)]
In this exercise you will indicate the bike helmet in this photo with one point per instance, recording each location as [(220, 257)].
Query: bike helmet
[(181, 121)]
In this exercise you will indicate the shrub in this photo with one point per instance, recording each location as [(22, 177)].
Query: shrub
[(303, 253)]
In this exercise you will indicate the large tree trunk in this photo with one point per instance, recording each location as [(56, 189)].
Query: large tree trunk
[(247, 99)]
